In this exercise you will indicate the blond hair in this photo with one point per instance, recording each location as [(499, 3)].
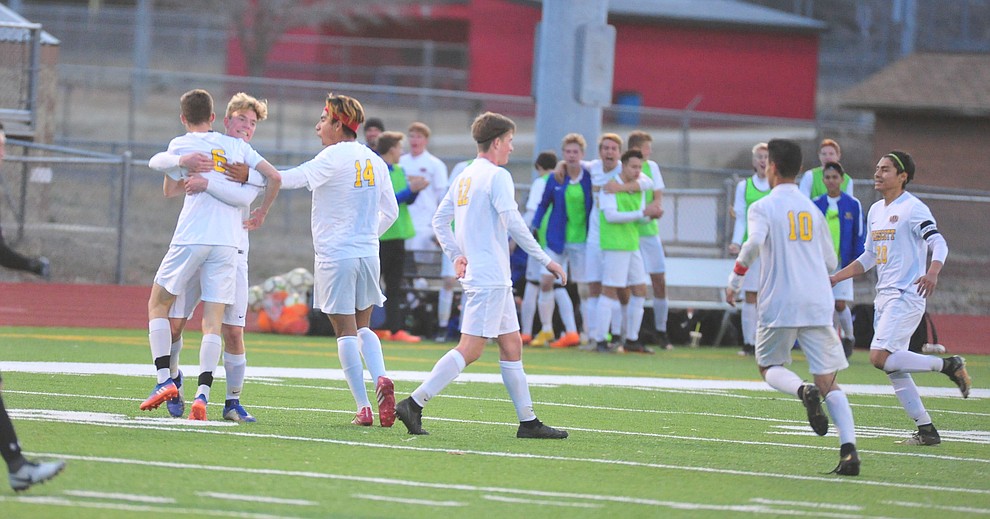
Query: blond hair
[(347, 110), (610, 137), (241, 102), (574, 138), (420, 128)]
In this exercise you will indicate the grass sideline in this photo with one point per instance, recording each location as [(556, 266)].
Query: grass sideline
[(634, 450)]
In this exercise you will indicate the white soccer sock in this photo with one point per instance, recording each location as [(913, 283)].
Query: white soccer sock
[(842, 415), (514, 379), (173, 363), (749, 323), (528, 310), (660, 309), (160, 338), (544, 305), (619, 319), (589, 317), (604, 316), (444, 372), (634, 317), (907, 394), (846, 323), (566, 308), (445, 300), (209, 357), (349, 354), (371, 350), (234, 366), (905, 361), (783, 380)]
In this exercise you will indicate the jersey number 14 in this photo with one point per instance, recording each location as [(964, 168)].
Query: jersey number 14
[(365, 174)]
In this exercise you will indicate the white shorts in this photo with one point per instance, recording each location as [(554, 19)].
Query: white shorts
[(214, 267), (593, 262), (344, 286), (623, 268), (534, 270), (654, 259), (843, 290), (488, 312), (751, 281), (235, 314), (820, 345), (896, 317), (572, 259)]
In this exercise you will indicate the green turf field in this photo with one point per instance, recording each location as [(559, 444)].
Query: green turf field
[(667, 435)]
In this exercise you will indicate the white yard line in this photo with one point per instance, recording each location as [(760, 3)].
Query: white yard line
[(407, 501), (137, 498), (964, 509), (164, 510), (833, 506), (87, 368), (573, 504), (258, 499)]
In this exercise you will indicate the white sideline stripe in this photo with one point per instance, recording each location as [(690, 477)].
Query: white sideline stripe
[(121, 497), (677, 505), (965, 509), (708, 470), (503, 499), (258, 499), (408, 501), (833, 506), (166, 511), (145, 370)]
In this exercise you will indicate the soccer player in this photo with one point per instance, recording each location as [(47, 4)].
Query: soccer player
[(242, 186), (900, 232), (204, 246), (844, 215), (790, 235), (545, 164), (567, 196), (650, 246), (621, 217), (812, 182), (393, 242), (10, 258), (419, 162), (353, 204), (747, 193), (483, 208), (22, 472), (373, 128)]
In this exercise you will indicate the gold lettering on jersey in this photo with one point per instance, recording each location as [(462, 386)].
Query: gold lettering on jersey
[(463, 188), (800, 226), (362, 175), (883, 234), (219, 160)]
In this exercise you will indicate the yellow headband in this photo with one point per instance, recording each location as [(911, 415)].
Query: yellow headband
[(901, 164)]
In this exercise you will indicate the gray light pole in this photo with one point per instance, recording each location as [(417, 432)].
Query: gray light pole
[(572, 72)]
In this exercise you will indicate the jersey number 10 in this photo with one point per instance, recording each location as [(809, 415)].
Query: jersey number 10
[(800, 226)]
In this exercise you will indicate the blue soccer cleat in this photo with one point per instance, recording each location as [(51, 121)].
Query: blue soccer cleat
[(233, 411), (177, 405)]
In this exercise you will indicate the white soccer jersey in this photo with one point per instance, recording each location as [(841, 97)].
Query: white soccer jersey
[(657, 176), (535, 196), (204, 219), (796, 256), (482, 192), (599, 177), (425, 165), (895, 237), (353, 200)]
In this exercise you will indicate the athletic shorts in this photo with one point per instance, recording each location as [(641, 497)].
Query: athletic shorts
[(654, 259), (235, 314), (534, 270), (344, 286), (751, 281), (622, 268), (573, 261), (843, 290), (215, 266), (896, 316), (593, 262), (820, 345), (488, 312)]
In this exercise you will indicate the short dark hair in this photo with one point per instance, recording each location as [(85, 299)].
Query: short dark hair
[(387, 141), (197, 106), (902, 162), (786, 155), (546, 160), (834, 165), (374, 122), (489, 126), (629, 154)]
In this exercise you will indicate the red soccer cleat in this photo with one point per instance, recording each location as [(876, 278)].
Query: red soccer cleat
[(385, 391)]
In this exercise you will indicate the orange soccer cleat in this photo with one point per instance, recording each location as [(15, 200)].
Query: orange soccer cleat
[(568, 340)]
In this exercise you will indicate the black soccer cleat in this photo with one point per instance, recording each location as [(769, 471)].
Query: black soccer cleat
[(848, 462), (603, 347), (811, 398), (955, 368), (926, 435), (540, 430), (411, 414), (636, 347)]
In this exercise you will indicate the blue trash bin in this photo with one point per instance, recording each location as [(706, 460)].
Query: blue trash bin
[(630, 102)]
